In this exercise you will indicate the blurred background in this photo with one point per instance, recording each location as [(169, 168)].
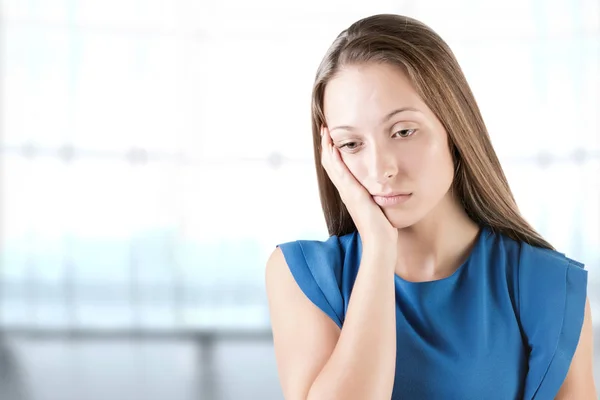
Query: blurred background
[(154, 152)]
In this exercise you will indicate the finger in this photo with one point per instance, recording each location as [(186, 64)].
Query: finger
[(324, 138), (334, 172), (337, 170), (339, 166), (335, 158), (325, 148)]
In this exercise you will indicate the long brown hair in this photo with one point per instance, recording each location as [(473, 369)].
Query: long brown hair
[(479, 181)]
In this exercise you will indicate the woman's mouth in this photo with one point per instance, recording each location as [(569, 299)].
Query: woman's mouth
[(385, 200)]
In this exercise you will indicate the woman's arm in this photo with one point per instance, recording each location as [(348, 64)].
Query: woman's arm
[(579, 383), (316, 360)]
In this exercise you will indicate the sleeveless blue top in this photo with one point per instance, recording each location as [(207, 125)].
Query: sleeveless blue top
[(504, 326)]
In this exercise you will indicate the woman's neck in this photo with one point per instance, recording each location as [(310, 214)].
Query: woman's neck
[(436, 246)]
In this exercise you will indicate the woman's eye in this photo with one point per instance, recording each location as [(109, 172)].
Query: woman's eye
[(405, 132), (349, 146)]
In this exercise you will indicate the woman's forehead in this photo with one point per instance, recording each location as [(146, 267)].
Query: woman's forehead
[(372, 91)]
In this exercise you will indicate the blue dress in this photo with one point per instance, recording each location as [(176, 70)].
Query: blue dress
[(504, 326)]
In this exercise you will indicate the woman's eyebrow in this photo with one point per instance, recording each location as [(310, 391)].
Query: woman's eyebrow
[(385, 119)]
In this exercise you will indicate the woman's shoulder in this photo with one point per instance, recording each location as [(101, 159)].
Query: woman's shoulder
[(331, 244), (552, 291), (534, 257), (548, 290), (529, 260), (320, 255), (321, 269), (541, 269)]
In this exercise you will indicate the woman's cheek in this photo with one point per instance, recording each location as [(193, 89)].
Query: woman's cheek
[(356, 168)]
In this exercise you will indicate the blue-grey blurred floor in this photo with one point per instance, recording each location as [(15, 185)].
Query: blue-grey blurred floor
[(132, 370), (149, 370)]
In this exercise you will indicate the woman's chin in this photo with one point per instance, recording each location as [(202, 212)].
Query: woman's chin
[(401, 220)]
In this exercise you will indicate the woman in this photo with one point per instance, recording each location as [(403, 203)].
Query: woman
[(432, 285)]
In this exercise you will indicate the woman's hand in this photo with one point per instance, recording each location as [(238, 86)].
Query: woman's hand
[(372, 224)]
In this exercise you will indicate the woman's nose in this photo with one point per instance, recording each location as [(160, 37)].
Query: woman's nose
[(384, 166)]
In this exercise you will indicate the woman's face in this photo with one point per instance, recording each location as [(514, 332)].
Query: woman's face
[(389, 139)]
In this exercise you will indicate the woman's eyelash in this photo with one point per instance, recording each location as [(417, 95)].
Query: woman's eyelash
[(411, 132), (355, 145), (347, 145)]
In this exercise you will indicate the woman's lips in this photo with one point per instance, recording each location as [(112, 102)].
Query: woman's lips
[(391, 200)]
